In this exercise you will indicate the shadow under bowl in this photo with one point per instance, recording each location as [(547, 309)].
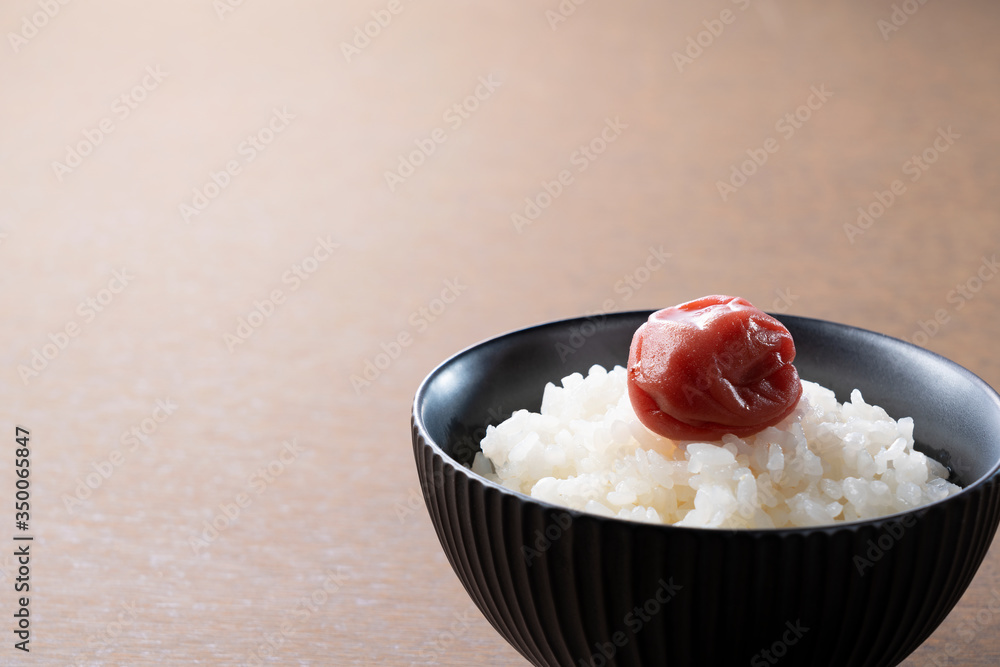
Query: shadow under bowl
[(571, 588)]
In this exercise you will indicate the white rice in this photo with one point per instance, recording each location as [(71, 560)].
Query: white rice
[(824, 463)]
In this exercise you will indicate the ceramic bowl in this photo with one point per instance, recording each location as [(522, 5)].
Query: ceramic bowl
[(570, 588)]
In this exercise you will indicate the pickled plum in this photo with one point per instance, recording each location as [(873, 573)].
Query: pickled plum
[(712, 366)]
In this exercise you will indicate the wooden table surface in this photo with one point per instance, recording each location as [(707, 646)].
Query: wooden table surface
[(234, 237)]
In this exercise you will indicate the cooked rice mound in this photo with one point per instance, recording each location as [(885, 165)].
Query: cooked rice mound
[(824, 463)]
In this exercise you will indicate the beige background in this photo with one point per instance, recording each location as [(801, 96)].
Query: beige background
[(116, 575)]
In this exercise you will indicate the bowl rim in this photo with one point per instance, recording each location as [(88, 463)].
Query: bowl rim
[(877, 522)]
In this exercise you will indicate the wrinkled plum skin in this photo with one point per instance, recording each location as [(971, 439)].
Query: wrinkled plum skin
[(712, 366)]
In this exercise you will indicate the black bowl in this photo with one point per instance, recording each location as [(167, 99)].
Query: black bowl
[(570, 588)]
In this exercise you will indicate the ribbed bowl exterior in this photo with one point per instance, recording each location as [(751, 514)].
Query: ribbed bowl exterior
[(574, 589), (567, 588)]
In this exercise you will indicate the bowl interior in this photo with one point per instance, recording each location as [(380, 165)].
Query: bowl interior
[(956, 414)]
